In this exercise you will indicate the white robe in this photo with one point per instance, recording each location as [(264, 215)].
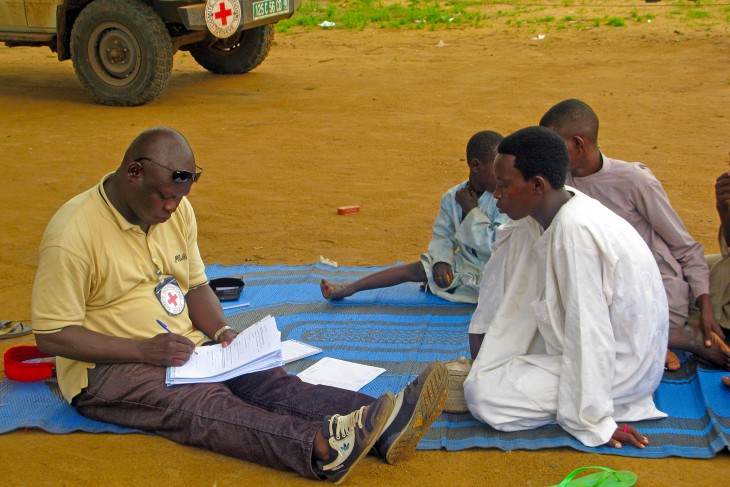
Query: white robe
[(576, 326)]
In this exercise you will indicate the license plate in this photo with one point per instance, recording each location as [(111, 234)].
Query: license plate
[(268, 8)]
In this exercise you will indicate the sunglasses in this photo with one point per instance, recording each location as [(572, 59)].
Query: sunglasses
[(177, 175)]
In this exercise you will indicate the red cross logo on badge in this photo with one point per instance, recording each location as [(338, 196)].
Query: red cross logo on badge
[(172, 298), (223, 17)]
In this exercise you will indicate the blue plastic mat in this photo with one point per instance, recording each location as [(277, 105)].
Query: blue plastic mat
[(40, 405), (402, 329)]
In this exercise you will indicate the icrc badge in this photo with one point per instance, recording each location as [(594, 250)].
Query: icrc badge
[(223, 17), (170, 296)]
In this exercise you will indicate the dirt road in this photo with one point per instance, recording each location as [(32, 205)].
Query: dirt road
[(375, 118)]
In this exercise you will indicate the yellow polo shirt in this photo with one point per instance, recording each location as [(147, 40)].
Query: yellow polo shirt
[(99, 271)]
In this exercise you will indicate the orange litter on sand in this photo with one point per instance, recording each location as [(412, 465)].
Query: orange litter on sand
[(346, 210)]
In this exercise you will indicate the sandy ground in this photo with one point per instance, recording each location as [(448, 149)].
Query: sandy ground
[(375, 118)]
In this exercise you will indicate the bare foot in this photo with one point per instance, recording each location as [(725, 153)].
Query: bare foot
[(726, 380), (689, 337), (333, 292), (672, 361)]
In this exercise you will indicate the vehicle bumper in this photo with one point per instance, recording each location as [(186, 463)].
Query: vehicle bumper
[(254, 14)]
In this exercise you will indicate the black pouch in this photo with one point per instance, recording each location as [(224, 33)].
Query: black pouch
[(227, 288)]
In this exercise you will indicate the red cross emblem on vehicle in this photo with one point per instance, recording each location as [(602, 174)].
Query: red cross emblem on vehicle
[(223, 13), (222, 17)]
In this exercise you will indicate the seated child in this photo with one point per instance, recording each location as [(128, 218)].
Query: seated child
[(462, 236)]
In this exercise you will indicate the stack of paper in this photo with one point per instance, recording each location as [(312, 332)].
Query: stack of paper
[(256, 348)]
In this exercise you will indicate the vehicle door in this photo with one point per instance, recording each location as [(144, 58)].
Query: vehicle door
[(41, 15), (12, 16)]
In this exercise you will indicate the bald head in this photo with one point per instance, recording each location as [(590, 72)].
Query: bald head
[(145, 189), (572, 117), (161, 144)]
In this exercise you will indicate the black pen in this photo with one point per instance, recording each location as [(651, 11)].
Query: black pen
[(168, 331)]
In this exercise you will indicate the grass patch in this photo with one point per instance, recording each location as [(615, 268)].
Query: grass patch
[(697, 14), (615, 22), (444, 14), (542, 20), (358, 14), (641, 17)]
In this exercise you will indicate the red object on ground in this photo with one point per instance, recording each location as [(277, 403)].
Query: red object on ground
[(346, 210), (17, 369)]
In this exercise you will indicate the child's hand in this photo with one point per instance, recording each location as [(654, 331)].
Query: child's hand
[(467, 198), (442, 275)]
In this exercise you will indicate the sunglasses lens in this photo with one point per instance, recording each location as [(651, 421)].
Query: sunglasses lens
[(182, 176)]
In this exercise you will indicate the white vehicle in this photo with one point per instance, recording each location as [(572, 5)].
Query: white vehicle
[(122, 49)]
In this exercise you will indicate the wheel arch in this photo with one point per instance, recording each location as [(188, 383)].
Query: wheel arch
[(121, 51), (66, 13)]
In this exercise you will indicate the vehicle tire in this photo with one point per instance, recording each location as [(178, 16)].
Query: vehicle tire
[(238, 54), (121, 52)]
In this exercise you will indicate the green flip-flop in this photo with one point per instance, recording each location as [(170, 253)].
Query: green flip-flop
[(607, 478)]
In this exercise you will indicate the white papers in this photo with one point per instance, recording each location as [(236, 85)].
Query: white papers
[(339, 373), (292, 350), (256, 348)]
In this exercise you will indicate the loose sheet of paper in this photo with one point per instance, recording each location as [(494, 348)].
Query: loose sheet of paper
[(340, 373)]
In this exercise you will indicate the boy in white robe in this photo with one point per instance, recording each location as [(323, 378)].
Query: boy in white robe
[(463, 235), (572, 325)]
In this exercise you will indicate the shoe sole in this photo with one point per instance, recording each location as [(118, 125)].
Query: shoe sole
[(373, 438), (428, 408)]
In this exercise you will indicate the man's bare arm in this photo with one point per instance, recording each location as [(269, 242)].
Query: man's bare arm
[(708, 322), (78, 343), (207, 314)]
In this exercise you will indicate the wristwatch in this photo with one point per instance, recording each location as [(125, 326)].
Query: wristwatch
[(220, 332)]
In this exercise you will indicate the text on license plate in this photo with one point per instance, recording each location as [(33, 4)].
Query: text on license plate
[(267, 8)]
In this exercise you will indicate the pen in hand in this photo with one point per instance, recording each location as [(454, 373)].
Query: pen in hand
[(164, 326)]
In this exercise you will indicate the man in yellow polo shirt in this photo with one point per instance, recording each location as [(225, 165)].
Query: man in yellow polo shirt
[(124, 254)]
